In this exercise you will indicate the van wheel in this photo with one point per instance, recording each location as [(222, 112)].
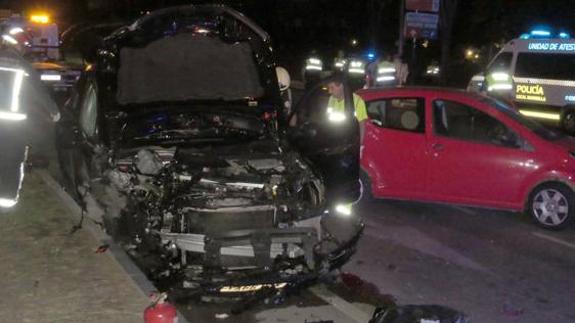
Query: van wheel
[(568, 121), (552, 206)]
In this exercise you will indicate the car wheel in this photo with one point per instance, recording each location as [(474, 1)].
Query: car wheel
[(552, 206), (366, 191)]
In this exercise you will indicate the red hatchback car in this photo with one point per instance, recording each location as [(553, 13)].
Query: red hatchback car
[(457, 147)]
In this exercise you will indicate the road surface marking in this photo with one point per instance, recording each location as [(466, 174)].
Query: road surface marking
[(553, 239)]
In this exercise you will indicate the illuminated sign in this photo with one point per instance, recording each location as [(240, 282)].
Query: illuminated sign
[(560, 47), (570, 98), (422, 5), (531, 92)]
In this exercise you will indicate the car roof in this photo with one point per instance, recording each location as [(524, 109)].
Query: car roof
[(403, 90)]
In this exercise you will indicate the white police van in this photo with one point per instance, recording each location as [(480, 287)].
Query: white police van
[(536, 72)]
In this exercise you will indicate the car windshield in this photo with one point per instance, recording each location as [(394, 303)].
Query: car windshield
[(534, 126), (545, 66)]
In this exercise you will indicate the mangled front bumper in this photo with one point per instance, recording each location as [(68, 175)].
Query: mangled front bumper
[(276, 258)]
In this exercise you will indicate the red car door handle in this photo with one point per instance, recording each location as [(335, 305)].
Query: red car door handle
[(437, 147)]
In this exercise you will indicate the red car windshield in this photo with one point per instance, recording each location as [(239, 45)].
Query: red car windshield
[(532, 125)]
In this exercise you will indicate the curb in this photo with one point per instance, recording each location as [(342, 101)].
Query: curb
[(117, 254)]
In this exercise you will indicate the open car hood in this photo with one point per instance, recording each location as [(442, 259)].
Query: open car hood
[(191, 53)]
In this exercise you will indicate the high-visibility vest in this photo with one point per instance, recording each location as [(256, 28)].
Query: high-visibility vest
[(313, 64), (356, 67), (11, 81), (386, 73), (339, 63), (336, 109), (498, 81)]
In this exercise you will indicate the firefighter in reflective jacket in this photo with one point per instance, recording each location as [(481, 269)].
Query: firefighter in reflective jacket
[(21, 92), (312, 70), (385, 73)]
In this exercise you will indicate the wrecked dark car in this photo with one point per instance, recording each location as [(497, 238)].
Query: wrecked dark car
[(179, 134)]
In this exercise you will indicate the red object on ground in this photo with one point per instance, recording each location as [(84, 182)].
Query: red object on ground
[(162, 312), (351, 281)]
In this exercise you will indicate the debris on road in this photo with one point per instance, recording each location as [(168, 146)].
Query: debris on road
[(354, 289), (102, 249), (351, 281), (418, 314)]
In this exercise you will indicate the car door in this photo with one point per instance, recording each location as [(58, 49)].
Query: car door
[(77, 135), (395, 154), (329, 140), (475, 158)]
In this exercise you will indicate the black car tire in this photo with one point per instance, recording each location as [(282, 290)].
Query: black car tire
[(552, 206)]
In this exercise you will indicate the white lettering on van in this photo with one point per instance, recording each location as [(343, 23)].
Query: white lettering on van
[(566, 47)]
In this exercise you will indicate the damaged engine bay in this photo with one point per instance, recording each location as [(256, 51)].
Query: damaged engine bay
[(179, 135), (220, 218)]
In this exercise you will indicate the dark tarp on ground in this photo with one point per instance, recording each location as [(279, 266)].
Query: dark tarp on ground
[(418, 314), (187, 67)]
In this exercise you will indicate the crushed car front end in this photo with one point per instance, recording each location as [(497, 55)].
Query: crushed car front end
[(192, 165), (227, 219)]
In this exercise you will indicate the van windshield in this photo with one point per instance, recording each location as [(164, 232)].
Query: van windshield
[(546, 66), (534, 126), (502, 62)]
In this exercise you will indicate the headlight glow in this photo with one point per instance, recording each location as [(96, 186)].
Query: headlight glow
[(500, 76), (50, 77), (344, 209)]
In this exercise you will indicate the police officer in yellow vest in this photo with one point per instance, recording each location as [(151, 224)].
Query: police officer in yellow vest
[(336, 104), (336, 113)]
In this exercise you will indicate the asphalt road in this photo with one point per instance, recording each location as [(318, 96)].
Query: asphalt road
[(495, 266)]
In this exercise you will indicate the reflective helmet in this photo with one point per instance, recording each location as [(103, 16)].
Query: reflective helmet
[(284, 79)]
